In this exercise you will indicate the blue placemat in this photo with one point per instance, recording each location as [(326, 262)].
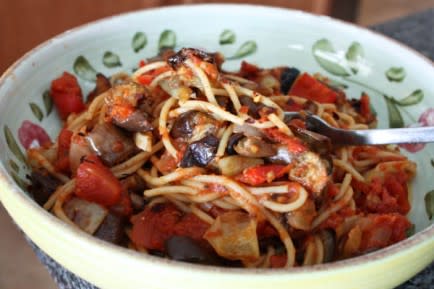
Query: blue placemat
[(415, 31)]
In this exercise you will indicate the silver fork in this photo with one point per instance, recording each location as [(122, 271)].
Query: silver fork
[(365, 136)]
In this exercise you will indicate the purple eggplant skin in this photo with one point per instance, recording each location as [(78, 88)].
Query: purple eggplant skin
[(200, 153), (112, 229), (42, 186), (190, 123), (110, 144), (136, 122), (185, 249), (287, 79)]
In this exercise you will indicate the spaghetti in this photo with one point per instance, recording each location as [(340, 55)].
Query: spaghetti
[(222, 169)]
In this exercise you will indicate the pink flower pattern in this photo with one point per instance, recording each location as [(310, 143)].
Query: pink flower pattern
[(32, 135), (425, 119)]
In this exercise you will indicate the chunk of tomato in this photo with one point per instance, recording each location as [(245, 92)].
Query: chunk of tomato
[(67, 95), (262, 174), (308, 87), (294, 144), (64, 144), (96, 183), (154, 226)]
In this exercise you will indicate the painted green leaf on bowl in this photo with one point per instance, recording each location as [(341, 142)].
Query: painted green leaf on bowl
[(37, 112), (414, 98), (396, 74), (326, 57), (432, 163), (139, 41), (83, 69), (410, 231), (167, 40), (48, 102), (13, 145), (247, 48), (14, 166), (333, 83), (19, 181), (227, 37), (429, 204), (337, 85), (373, 110), (395, 117), (111, 59), (354, 54)]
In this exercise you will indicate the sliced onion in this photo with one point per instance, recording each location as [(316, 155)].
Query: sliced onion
[(78, 149), (233, 236), (143, 141), (248, 130), (86, 215), (233, 165)]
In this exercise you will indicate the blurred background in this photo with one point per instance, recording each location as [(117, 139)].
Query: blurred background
[(27, 23)]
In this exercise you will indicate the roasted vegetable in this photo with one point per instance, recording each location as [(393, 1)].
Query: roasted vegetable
[(254, 147), (282, 157), (233, 236), (200, 153), (42, 186), (135, 121), (302, 217), (86, 215), (79, 149), (233, 140), (316, 142), (193, 125), (287, 78), (310, 171), (112, 229), (183, 248), (187, 53), (328, 238), (110, 144), (102, 85), (233, 165), (253, 107)]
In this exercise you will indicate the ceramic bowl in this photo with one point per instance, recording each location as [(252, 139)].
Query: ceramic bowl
[(398, 80)]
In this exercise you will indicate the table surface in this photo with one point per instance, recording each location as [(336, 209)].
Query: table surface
[(414, 31)]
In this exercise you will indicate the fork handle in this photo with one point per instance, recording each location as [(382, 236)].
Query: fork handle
[(385, 136)]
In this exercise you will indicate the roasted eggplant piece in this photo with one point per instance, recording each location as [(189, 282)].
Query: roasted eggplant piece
[(233, 141), (102, 85), (137, 121), (110, 144), (186, 249), (287, 78), (42, 186), (328, 238), (201, 152), (178, 59), (112, 229), (193, 125), (254, 107)]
